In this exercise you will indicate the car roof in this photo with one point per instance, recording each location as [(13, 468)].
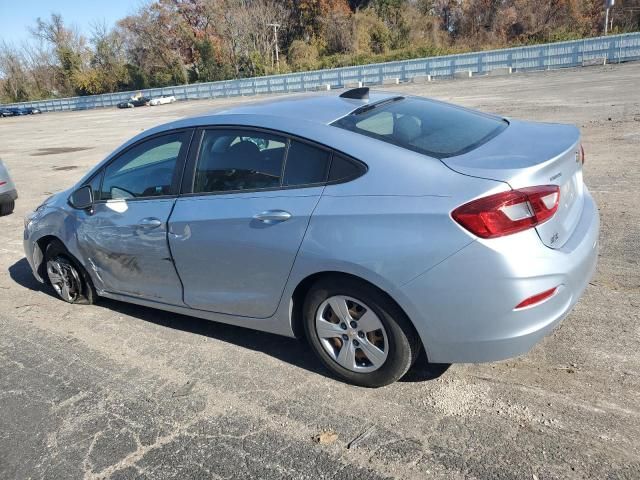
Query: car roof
[(322, 108), (299, 114)]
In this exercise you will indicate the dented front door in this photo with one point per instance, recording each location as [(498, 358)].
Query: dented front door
[(125, 244)]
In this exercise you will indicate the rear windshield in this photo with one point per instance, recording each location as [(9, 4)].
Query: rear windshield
[(425, 126)]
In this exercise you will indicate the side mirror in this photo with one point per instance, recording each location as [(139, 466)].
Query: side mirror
[(82, 198)]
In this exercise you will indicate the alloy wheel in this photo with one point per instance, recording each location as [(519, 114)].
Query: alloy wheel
[(352, 334), (64, 278)]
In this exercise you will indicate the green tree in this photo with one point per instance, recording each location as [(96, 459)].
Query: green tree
[(302, 56), (371, 33), (209, 64)]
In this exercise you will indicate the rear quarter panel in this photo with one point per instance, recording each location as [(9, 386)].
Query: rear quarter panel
[(390, 225)]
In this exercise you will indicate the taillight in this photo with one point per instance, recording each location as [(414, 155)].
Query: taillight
[(582, 157), (508, 212), (2, 183)]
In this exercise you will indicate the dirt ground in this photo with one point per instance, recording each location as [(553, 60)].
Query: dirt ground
[(119, 391)]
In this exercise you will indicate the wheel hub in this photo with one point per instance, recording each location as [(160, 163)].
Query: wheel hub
[(352, 334), (64, 279)]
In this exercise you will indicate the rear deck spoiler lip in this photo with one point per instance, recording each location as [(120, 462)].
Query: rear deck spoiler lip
[(522, 144)]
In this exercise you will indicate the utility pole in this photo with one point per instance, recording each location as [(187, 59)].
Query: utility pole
[(275, 39), (607, 5)]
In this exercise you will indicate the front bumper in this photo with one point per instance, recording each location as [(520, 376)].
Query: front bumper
[(463, 308), (34, 257), (8, 196), (32, 251)]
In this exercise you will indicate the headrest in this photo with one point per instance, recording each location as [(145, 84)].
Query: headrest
[(244, 149), (406, 129)]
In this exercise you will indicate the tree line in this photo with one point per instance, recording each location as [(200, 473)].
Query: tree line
[(171, 42)]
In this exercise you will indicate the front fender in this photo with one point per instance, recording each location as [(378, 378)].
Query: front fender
[(49, 223)]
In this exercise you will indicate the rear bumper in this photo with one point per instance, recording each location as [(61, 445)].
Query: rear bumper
[(8, 196), (463, 308)]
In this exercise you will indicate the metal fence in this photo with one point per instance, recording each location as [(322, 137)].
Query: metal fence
[(613, 48)]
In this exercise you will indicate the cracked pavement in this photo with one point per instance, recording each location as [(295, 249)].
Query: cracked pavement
[(122, 392)]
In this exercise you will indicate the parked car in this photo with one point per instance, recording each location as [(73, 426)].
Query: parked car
[(162, 100), (135, 102), (8, 193), (15, 112), (18, 111), (374, 224), (31, 110)]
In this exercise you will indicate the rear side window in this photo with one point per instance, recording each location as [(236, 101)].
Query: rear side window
[(425, 126), (306, 164), (344, 169)]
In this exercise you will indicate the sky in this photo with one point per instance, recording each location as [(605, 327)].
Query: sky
[(17, 15)]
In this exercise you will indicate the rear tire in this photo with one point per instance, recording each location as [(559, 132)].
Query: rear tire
[(7, 208), (67, 277), (371, 343)]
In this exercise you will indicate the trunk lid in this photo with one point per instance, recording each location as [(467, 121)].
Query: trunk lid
[(528, 154)]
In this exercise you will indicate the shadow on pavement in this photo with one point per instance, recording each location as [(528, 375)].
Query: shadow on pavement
[(20, 272), (423, 371), (295, 352)]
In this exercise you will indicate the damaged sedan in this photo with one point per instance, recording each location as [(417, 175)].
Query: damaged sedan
[(378, 226)]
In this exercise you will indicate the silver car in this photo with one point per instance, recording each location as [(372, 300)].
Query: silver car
[(8, 193), (376, 225)]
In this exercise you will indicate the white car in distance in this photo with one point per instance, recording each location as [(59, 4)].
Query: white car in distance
[(162, 100)]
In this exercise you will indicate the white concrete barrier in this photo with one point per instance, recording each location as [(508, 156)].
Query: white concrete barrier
[(590, 62), (496, 72), (463, 74), (421, 79)]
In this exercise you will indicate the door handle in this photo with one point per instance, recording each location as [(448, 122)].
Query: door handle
[(273, 216), (150, 222)]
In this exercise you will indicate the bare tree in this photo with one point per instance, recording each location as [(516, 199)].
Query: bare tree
[(41, 63), (338, 32), (14, 73), (68, 45), (245, 25), (152, 44)]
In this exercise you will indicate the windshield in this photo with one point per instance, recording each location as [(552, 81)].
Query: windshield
[(433, 128)]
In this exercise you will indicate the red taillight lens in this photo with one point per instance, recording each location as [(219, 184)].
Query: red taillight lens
[(537, 298), (2, 183), (508, 212)]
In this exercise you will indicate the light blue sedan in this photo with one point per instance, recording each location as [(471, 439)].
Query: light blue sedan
[(374, 224)]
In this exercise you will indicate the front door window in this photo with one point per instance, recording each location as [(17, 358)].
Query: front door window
[(146, 170)]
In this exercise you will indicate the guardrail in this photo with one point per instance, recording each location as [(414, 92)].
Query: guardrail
[(612, 49)]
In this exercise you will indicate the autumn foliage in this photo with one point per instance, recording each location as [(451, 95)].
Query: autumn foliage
[(168, 42)]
